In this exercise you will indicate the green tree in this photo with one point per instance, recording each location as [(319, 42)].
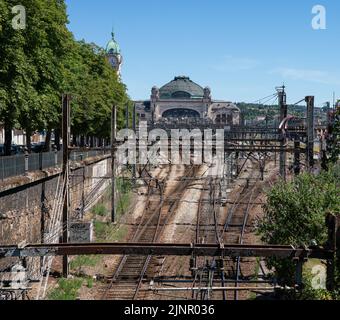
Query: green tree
[(17, 75), (334, 137), (295, 213), (95, 87), (43, 61), (30, 65)]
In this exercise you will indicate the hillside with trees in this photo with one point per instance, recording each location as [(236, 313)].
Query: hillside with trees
[(251, 111)]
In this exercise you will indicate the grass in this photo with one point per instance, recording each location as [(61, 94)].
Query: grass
[(119, 234), (253, 295), (100, 210), (89, 283), (107, 232), (88, 261), (101, 230), (67, 289), (123, 188)]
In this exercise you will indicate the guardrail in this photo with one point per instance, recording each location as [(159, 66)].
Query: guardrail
[(11, 166)]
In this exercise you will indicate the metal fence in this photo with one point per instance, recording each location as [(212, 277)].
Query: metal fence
[(12, 166)]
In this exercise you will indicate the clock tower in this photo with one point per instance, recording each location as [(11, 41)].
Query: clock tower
[(114, 54)]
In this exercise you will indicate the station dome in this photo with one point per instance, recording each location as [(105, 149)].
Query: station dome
[(181, 88)]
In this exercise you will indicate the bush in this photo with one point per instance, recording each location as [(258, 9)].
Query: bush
[(295, 213)]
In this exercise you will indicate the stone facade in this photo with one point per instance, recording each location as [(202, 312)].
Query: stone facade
[(183, 98)]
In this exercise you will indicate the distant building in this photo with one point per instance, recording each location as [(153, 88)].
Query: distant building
[(182, 99), (18, 136), (259, 119)]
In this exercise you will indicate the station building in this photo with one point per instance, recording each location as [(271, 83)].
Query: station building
[(182, 99)]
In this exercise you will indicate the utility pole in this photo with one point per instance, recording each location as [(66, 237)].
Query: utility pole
[(310, 131), (297, 152), (283, 114), (134, 126), (113, 162), (66, 141)]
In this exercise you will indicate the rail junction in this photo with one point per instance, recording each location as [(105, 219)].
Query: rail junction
[(219, 257)]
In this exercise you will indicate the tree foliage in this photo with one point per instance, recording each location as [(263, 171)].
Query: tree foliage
[(295, 214), (41, 62), (333, 141)]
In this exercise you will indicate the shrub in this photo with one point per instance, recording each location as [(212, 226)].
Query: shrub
[(295, 213)]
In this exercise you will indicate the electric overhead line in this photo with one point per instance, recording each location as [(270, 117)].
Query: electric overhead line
[(259, 101)]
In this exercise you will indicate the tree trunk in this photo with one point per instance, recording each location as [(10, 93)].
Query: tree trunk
[(47, 147), (8, 138), (28, 140), (57, 138), (82, 141)]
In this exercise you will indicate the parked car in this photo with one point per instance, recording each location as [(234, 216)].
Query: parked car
[(38, 147), (15, 149)]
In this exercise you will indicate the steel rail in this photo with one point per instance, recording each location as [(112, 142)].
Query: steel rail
[(245, 220), (158, 231), (137, 234), (142, 232)]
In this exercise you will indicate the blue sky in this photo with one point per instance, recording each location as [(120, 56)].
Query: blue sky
[(241, 49)]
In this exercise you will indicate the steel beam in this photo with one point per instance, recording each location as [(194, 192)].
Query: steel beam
[(144, 249)]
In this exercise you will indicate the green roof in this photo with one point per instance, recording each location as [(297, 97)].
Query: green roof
[(181, 88), (112, 47)]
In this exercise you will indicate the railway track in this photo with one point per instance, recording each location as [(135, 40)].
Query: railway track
[(209, 272), (131, 271), (207, 231), (234, 231)]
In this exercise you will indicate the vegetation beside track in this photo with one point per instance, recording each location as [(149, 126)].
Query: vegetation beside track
[(85, 267), (295, 213)]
